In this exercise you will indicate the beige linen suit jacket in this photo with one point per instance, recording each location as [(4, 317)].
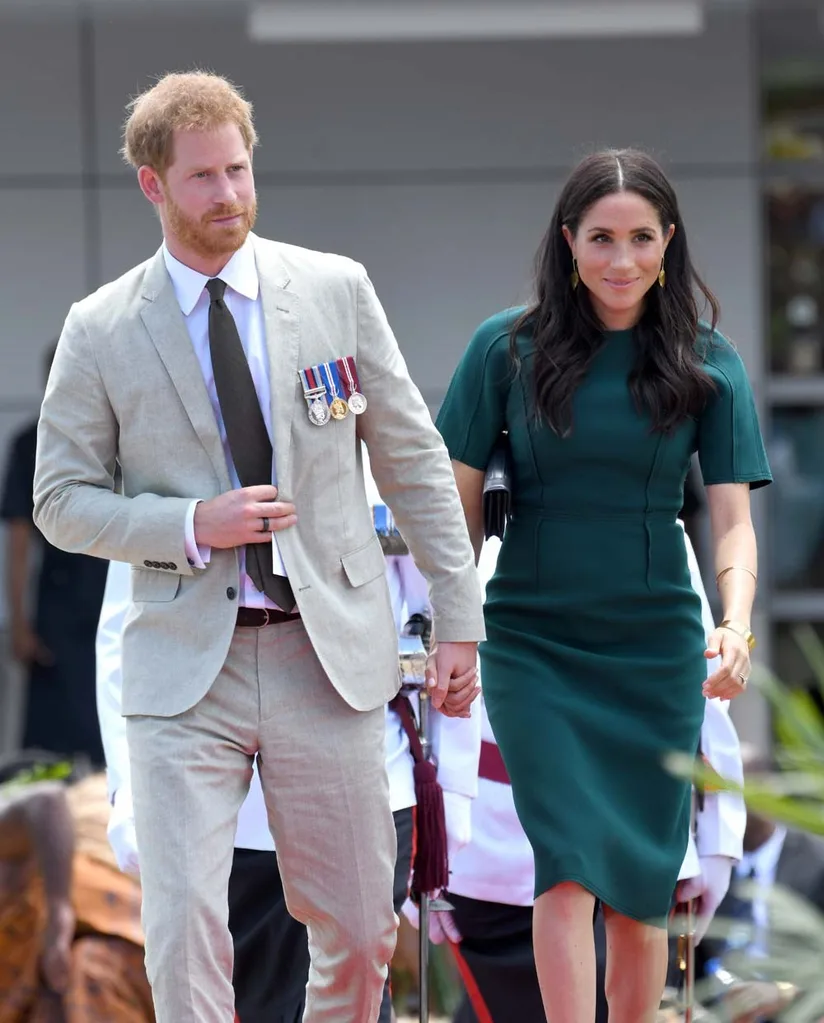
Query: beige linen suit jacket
[(126, 391)]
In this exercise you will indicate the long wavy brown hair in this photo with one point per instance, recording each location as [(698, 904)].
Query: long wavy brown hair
[(667, 379)]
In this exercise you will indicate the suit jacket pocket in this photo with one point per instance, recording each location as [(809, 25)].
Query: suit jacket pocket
[(149, 584), (365, 563)]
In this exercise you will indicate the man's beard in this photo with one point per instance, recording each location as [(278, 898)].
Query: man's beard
[(207, 238)]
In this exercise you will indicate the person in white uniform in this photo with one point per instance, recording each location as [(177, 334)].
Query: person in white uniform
[(492, 878), (271, 953)]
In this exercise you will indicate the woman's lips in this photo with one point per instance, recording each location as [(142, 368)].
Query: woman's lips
[(621, 283)]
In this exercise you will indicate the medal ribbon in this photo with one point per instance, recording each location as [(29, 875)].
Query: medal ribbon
[(348, 375), (330, 379), (352, 373)]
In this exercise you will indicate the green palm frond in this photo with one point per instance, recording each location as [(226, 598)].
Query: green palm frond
[(793, 795)]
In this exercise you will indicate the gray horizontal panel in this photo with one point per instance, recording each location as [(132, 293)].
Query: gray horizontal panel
[(39, 82), (532, 104), (41, 273)]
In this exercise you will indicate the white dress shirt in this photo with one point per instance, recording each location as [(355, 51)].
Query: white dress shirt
[(456, 742), (761, 866), (243, 300)]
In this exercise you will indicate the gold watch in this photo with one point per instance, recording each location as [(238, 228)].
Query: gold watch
[(740, 629)]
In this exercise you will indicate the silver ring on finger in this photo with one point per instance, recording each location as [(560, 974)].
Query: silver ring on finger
[(265, 521), (743, 678)]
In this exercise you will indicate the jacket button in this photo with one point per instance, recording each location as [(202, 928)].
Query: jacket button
[(172, 566), (148, 564), (231, 593), (163, 564)]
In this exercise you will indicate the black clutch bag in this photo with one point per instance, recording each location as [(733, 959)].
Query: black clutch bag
[(497, 492)]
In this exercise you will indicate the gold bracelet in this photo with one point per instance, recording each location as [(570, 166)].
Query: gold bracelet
[(741, 630), (731, 568)]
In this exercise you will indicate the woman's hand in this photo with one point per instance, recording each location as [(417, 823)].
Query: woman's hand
[(730, 680)]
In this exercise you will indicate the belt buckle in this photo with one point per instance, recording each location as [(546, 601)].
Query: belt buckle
[(266, 620)]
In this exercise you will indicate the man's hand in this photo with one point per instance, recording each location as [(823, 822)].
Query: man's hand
[(452, 678), (709, 889), (27, 647), (238, 517), (442, 926)]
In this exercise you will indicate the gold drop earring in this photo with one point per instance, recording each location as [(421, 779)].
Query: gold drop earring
[(575, 278), (662, 275)]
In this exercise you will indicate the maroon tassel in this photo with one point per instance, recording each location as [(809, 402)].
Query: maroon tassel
[(430, 869)]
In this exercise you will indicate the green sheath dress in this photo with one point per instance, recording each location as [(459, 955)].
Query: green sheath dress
[(594, 660)]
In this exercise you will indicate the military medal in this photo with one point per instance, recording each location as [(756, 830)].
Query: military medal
[(348, 372), (319, 413), (314, 392), (338, 408)]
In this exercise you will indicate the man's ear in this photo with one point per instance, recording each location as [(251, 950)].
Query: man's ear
[(150, 184)]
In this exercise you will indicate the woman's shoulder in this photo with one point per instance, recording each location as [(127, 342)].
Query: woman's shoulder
[(491, 340), (721, 359), (497, 329), (716, 350)]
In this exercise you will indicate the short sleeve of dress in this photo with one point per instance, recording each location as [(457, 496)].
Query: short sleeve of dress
[(730, 445), (473, 413)]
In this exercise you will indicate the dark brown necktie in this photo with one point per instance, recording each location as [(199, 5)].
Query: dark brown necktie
[(245, 430)]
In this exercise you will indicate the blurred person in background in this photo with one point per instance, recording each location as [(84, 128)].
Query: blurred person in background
[(594, 667), (492, 879), (775, 856), (52, 615), (271, 963), (71, 943)]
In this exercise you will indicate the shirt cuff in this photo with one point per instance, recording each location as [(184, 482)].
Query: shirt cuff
[(197, 556)]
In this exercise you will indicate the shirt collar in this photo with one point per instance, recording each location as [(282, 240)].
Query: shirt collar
[(240, 274), (764, 860)]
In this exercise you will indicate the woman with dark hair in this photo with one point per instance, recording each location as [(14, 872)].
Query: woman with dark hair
[(594, 668)]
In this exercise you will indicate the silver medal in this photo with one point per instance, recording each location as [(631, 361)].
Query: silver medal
[(319, 413), (357, 403)]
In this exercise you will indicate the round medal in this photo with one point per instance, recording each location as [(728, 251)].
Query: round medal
[(338, 408), (319, 413), (357, 402)]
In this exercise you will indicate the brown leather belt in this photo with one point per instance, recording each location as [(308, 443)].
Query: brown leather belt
[(257, 617)]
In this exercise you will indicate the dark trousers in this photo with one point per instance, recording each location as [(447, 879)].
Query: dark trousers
[(271, 948), (496, 952)]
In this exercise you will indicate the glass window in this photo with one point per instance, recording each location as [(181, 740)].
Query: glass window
[(792, 75), (796, 540), (795, 218), (789, 662)]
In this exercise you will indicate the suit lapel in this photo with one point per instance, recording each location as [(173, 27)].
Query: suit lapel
[(164, 321), (281, 314)]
